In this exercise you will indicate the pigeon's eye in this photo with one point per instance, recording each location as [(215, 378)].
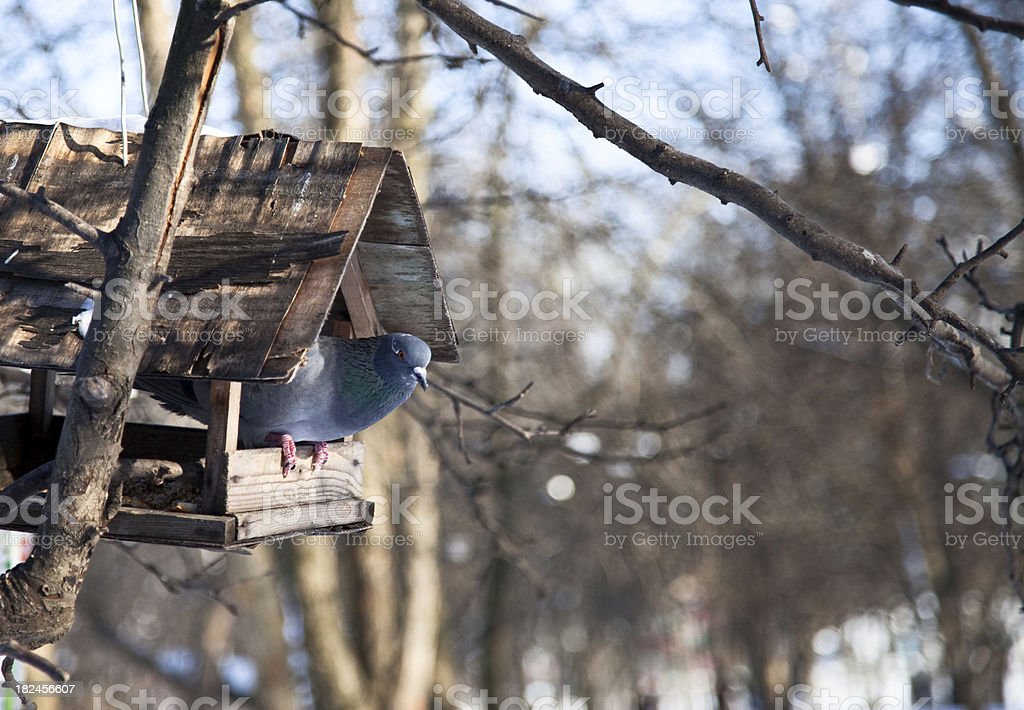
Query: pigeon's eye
[(400, 354)]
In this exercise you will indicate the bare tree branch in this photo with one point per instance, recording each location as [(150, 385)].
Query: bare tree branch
[(513, 8), (455, 396), (370, 55), (509, 402), (955, 337), (18, 651), (196, 583), (968, 17), (758, 19), (968, 265), (60, 214)]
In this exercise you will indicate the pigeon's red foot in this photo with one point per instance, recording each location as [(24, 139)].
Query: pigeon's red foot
[(287, 444), (319, 455)]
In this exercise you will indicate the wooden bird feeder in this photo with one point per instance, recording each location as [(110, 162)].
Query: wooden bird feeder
[(304, 237)]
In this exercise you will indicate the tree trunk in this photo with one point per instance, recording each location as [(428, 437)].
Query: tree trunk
[(37, 597)]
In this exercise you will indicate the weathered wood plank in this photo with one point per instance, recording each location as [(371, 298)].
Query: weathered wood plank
[(283, 188), (308, 311), (221, 441), (402, 279), (355, 291), (335, 531), (275, 182), (397, 218), (254, 480), (153, 526), (20, 149), (166, 528), (303, 517)]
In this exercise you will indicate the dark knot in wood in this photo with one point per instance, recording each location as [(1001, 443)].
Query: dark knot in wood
[(96, 392)]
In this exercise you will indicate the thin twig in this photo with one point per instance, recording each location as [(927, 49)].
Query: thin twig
[(758, 19), (370, 55), (509, 402), (485, 410), (7, 668), (968, 17), (973, 281), (513, 8), (194, 583), (980, 257), (124, 89), (142, 58), (578, 419), (19, 652)]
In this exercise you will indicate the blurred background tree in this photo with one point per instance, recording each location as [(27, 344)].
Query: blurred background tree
[(503, 577)]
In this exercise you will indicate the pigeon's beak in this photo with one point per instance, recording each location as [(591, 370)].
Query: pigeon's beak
[(420, 373)]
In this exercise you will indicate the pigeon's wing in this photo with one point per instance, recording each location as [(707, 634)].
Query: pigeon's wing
[(183, 397)]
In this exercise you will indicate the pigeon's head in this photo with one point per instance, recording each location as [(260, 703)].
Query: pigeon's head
[(404, 358)]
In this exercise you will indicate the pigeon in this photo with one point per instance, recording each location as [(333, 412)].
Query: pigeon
[(343, 387)]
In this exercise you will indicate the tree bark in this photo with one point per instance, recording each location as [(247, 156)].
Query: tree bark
[(37, 597)]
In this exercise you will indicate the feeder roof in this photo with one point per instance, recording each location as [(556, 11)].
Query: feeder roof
[(271, 227)]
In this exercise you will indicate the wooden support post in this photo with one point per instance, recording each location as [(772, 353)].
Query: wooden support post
[(221, 439), (42, 395), (356, 292), (339, 329)]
